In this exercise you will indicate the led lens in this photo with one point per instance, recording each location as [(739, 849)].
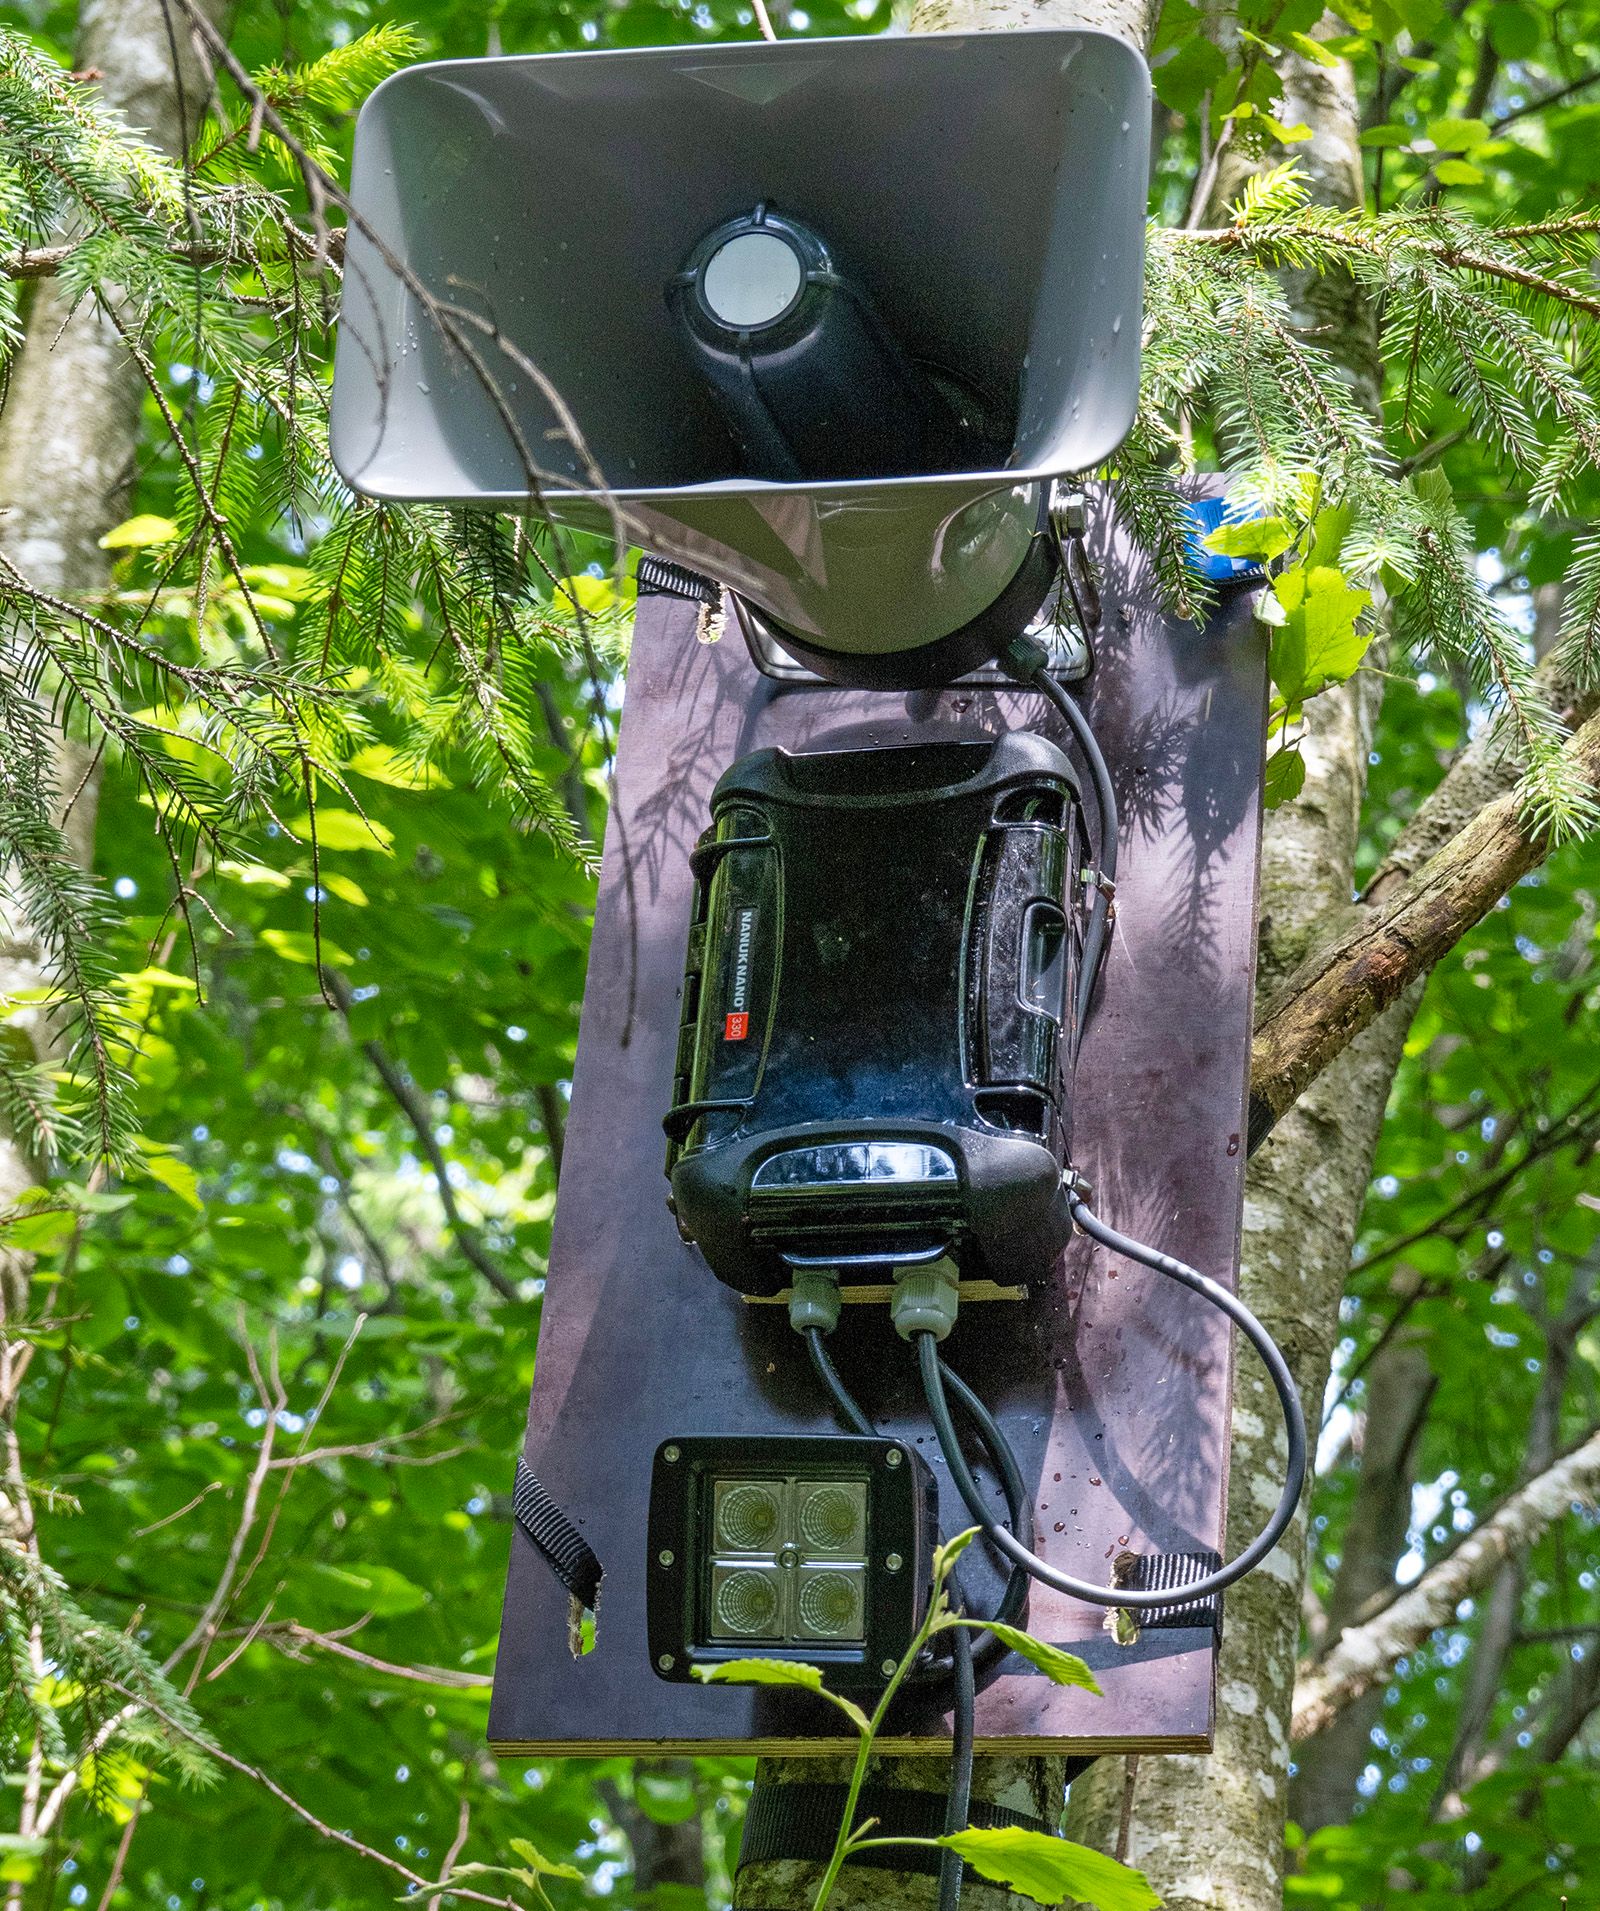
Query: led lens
[(830, 1605), (749, 1516), (746, 1604), (831, 1518)]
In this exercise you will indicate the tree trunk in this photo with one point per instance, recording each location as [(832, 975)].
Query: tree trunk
[(1209, 1830), (1400, 1385), (68, 435)]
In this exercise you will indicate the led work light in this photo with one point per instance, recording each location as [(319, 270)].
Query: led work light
[(818, 1550)]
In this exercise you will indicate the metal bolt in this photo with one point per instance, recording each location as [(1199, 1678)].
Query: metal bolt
[(1070, 511), (789, 1556), (892, 1562), (666, 1557), (892, 1457), (889, 1668), (670, 1453), (666, 1662)]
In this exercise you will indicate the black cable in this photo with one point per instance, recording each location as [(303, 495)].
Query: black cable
[(958, 1800), (1015, 1549), (1013, 1607), (1095, 935), (850, 1410)]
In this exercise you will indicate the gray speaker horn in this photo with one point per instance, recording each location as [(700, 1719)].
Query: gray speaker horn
[(821, 319)]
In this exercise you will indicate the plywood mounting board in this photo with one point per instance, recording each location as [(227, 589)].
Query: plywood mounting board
[(1114, 1386)]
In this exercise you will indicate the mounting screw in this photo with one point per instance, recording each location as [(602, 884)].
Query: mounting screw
[(892, 1562), (789, 1557), (666, 1662), (892, 1457), (889, 1668), (670, 1453), (666, 1558)]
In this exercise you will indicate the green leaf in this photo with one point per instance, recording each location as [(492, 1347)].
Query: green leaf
[(1317, 643), (778, 1672), (1063, 1668), (539, 1864), (1329, 529), (1053, 1870), (951, 1551), (1514, 32), (38, 1233), (1285, 135), (1390, 135), (1457, 135), (343, 829), (299, 945), (1313, 49), (134, 534), (665, 1799), (254, 875), (1251, 537), (176, 1175), (1458, 172), (1178, 18), (379, 764), (1285, 777), (377, 1589), (1183, 81)]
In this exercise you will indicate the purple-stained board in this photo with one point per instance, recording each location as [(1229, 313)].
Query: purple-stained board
[(1113, 1385)]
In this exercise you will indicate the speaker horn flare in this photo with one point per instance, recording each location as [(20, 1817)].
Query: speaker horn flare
[(939, 237)]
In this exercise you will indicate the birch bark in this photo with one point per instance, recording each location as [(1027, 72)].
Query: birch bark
[(1209, 1830), (69, 432)]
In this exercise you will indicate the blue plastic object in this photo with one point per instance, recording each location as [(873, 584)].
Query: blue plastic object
[(1210, 514)]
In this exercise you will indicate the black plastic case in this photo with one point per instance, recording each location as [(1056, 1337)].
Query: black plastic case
[(877, 1011)]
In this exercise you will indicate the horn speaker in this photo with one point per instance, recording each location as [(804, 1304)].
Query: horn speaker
[(821, 319)]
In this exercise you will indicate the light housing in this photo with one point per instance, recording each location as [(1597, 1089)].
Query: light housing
[(817, 1549)]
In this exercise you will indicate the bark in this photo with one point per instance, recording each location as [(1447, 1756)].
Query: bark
[(1400, 1385), (1209, 1831), (1363, 1657), (1345, 984), (68, 434)]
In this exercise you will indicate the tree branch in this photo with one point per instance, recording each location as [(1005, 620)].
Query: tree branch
[(413, 1878), (415, 1110), (290, 1637), (1362, 1656), (44, 262), (1347, 983), (1545, 100)]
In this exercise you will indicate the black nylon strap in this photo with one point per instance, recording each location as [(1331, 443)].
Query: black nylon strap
[(1155, 1572), (802, 1822), (568, 1554), (660, 577)]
